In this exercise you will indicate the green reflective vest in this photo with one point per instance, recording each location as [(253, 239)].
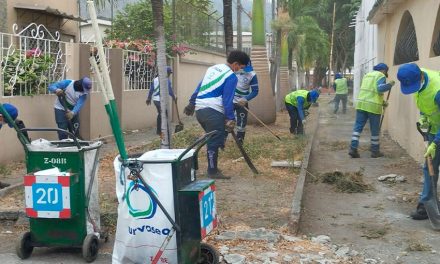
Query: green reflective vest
[(341, 86), (425, 100), (291, 98), (369, 99)]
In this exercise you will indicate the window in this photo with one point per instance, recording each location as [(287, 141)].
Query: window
[(406, 44), (435, 45)]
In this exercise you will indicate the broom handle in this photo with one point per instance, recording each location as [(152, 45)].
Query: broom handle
[(270, 130)]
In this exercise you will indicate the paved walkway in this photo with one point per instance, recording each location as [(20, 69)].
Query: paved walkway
[(375, 222)]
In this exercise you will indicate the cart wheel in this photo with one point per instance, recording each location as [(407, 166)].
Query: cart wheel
[(208, 254), (90, 248), (24, 246)]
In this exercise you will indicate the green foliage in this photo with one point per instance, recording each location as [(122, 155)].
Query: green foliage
[(30, 70)]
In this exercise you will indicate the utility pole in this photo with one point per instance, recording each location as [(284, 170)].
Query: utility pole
[(331, 47), (239, 32)]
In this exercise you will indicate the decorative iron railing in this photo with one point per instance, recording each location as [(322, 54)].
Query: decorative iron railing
[(139, 70)]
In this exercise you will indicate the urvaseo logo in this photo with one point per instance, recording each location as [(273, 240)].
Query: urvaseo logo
[(138, 206)]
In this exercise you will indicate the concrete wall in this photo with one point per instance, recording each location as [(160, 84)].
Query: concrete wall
[(37, 111), (402, 114)]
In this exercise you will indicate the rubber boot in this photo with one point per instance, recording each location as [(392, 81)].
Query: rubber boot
[(420, 213), (376, 154), (213, 171), (240, 137), (354, 153)]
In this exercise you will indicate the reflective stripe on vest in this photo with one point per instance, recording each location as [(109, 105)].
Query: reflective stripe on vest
[(425, 100), (212, 81), (293, 96), (369, 99), (156, 91), (341, 86)]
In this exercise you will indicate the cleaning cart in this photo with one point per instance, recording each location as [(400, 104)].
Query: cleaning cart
[(164, 211), (61, 193)]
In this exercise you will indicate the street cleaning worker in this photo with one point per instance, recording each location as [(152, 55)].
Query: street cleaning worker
[(75, 94), (213, 103), (155, 93), (341, 89), (246, 90), (425, 85), (369, 106), (296, 103), (13, 113)]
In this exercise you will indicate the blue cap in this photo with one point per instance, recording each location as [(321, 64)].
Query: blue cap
[(314, 94), (248, 67), (12, 111), (169, 70), (338, 76), (86, 84), (410, 77), (380, 67)]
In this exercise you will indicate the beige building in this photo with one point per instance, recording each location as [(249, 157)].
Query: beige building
[(407, 31), (61, 16)]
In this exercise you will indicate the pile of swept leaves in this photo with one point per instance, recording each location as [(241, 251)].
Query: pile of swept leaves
[(348, 182)]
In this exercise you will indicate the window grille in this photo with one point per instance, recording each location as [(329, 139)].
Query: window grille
[(406, 45)]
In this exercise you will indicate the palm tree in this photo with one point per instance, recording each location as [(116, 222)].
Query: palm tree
[(159, 32), (264, 104), (227, 24)]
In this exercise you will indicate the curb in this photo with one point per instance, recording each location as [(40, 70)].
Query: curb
[(295, 215), (8, 189)]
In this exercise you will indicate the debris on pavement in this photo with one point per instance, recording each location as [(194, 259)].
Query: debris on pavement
[(392, 178), (286, 163), (348, 182)]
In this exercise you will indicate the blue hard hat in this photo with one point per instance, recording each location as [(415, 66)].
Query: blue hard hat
[(248, 67), (410, 77), (12, 111), (338, 76), (86, 84), (314, 94), (169, 70), (380, 67)]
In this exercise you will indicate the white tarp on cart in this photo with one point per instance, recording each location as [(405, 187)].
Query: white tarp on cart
[(142, 226)]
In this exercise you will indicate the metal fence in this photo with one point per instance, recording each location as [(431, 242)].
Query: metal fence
[(138, 70), (31, 59)]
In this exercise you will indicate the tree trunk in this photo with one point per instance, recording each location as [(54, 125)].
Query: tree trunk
[(159, 32), (227, 24)]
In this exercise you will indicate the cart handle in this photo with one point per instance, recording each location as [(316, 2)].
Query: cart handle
[(201, 142), (56, 130)]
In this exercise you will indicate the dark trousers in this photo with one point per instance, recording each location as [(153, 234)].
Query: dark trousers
[(159, 117), (63, 123), (211, 120), (296, 126), (241, 116), (343, 98)]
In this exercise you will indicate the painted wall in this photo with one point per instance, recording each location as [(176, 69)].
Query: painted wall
[(402, 114)]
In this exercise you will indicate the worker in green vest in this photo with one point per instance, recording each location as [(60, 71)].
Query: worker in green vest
[(296, 102), (425, 85), (341, 89), (369, 106)]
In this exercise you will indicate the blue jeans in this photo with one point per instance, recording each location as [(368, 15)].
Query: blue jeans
[(63, 123), (296, 126), (427, 190), (361, 119)]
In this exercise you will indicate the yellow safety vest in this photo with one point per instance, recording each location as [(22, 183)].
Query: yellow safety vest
[(369, 99), (341, 86), (291, 98), (425, 100)]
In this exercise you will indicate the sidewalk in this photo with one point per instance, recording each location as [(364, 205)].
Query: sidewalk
[(375, 223)]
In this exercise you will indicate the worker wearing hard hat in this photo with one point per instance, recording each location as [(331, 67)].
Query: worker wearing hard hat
[(425, 85), (369, 106)]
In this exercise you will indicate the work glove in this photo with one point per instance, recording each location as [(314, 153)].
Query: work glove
[(385, 104), (230, 125), (69, 115), (242, 102), (392, 83), (423, 121), (148, 102), (189, 109), (303, 122), (59, 92), (430, 151)]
